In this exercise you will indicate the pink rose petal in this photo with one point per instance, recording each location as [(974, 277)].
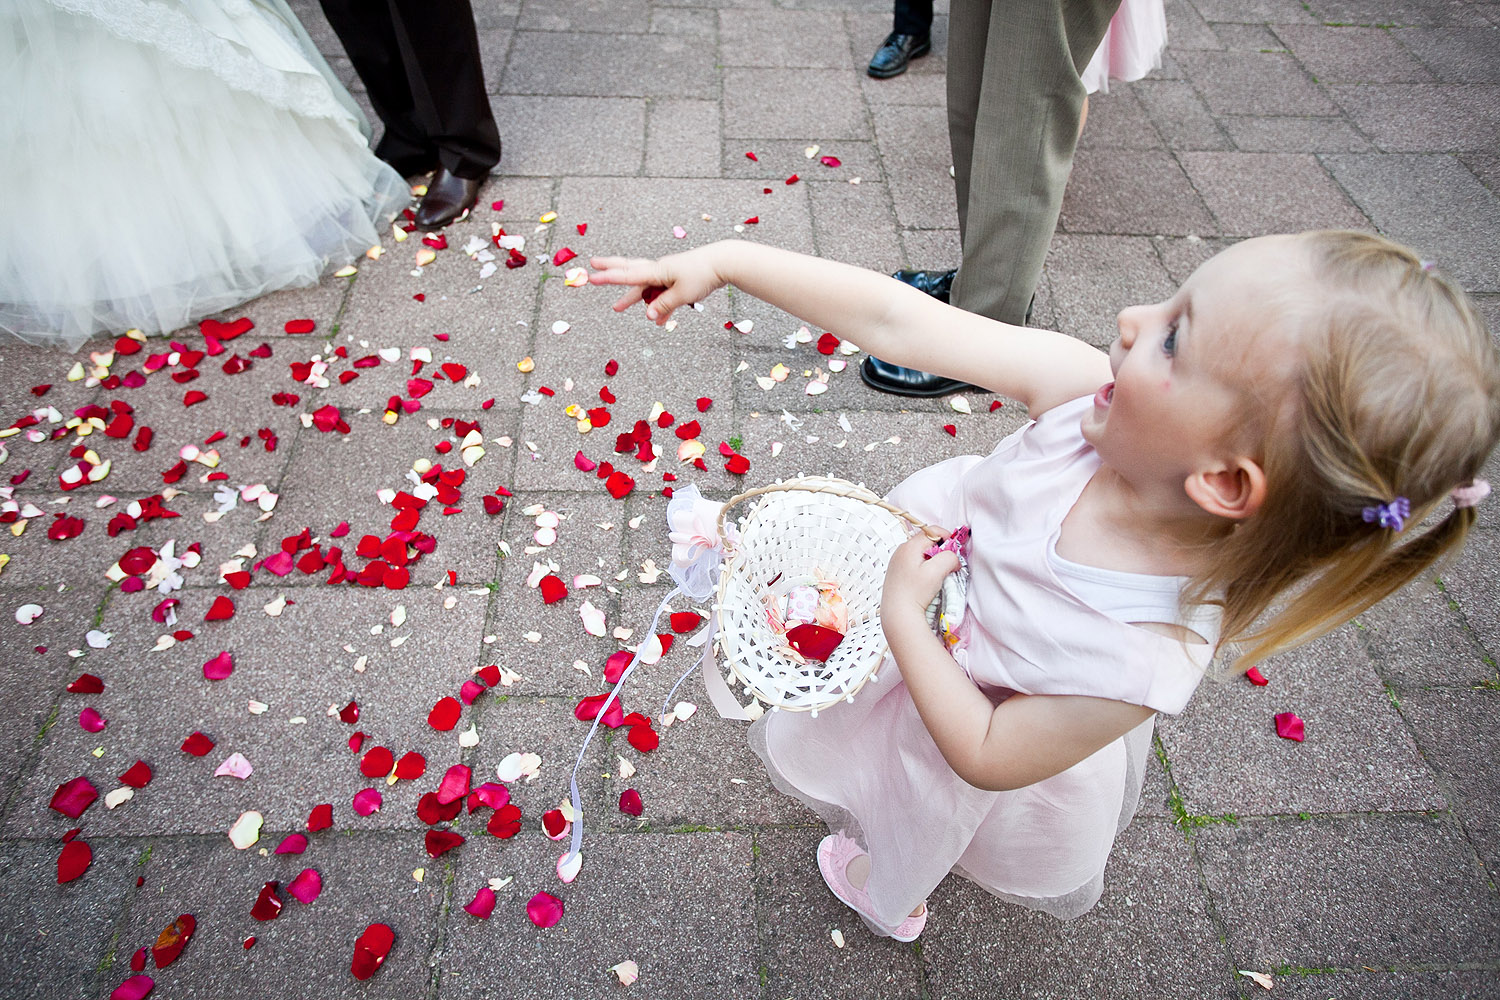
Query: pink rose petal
[(1289, 726), (220, 667), (483, 903), (491, 794), (306, 886), (73, 797), (544, 909), (134, 988), (91, 721), (1254, 676), (455, 784), (367, 801), (292, 843)]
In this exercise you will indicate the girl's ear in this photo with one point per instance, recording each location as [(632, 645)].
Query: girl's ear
[(1234, 491)]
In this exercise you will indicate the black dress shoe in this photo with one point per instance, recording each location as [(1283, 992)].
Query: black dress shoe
[(895, 52), (448, 197), (900, 381), (938, 284)]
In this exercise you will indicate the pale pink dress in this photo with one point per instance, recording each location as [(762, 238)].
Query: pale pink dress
[(1131, 47), (871, 769)]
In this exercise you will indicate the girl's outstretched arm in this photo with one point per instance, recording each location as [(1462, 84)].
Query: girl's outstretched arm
[(1024, 739), (884, 317)]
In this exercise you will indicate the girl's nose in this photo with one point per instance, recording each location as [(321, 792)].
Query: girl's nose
[(1128, 322)]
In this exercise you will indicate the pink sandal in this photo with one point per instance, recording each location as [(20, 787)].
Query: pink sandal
[(834, 854)]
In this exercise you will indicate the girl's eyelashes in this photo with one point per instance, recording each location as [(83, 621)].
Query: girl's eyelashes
[(1169, 343)]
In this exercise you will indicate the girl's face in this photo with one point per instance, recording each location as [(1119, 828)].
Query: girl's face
[(1186, 369)]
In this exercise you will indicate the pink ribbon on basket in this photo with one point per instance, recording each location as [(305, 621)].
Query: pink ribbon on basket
[(697, 552)]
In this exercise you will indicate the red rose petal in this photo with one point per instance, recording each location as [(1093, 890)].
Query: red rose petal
[(173, 938), (367, 801), (643, 738), (455, 784), (349, 713), (552, 588), (951, 430), (754, 220), (377, 763), (619, 485), (86, 684), (267, 904), (685, 621), (138, 960), (506, 822), (444, 715), (1289, 726), (371, 949), (830, 161), (562, 257), (814, 641), (827, 344), (137, 561), (221, 609), (616, 664), (306, 887), (704, 402), (300, 326), (483, 904), (995, 404), (193, 397), (544, 909), (611, 368), (792, 180), (321, 818), (737, 464), (554, 824), (292, 843), (1254, 676), (491, 794), (219, 667), (239, 579), (453, 371), (74, 860), (490, 674), (688, 431), (134, 988), (73, 797), (197, 744), (440, 842), (630, 802), (138, 775), (752, 156), (411, 766), (91, 721)]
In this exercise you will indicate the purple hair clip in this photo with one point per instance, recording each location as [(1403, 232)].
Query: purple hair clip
[(1391, 515)]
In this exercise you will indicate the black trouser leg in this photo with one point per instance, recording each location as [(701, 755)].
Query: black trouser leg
[(440, 47), (368, 32), (913, 17)]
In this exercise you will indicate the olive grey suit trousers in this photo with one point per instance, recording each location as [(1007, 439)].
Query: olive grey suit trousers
[(1014, 102)]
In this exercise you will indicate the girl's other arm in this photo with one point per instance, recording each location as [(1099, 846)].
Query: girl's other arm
[(1024, 739), (884, 317)]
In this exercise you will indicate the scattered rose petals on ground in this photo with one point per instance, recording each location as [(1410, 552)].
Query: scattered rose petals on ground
[(86, 684), (544, 909), (306, 887), (74, 860), (370, 950), (267, 904), (440, 842), (376, 763), (506, 821), (1289, 726), (483, 903), (246, 829), (455, 784)]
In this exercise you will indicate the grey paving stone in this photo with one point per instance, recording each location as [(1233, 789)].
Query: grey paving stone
[(494, 50), (1275, 11), (1402, 13), (609, 17), (1118, 120), (922, 89), (598, 65), (682, 139), (1471, 582), (1252, 194), (546, 136), (1186, 28), (496, 13), (701, 24), (1131, 192), (1348, 892), (914, 145), (698, 880), (1364, 985), (1094, 277), (60, 934), (1358, 755), (931, 249), (1453, 727), (797, 914), (1416, 638), (1353, 55), (1254, 83), (307, 949), (1247, 38), (1181, 117), (811, 39), (1455, 222), (1294, 135), (1181, 257), (296, 665), (804, 104), (1419, 118), (853, 224), (1153, 917), (1485, 166), (778, 159), (1457, 55)]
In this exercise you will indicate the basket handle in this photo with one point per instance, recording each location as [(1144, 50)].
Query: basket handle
[(836, 488)]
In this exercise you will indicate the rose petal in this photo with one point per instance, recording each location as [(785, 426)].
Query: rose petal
[(91, 721), (173, 938), (134, 988), (593, 619), (544, 909), (440, 842), (236, 766), (220, 667), (1289, 726), (411, 766), (306, 886), (86, 684), (321, 818), (813, 641), (554, 824), (489, 794), (221, 609), (506, 822), (569, 865), (371, 949), (630, 802), (552, 588), (643, 738), (73, 861), (246, 829), (1254, 676), (138, 775), (74, 796), (455, 784), (445, 714), (367, 801), (197, 744), (483, 903), (376, 763)]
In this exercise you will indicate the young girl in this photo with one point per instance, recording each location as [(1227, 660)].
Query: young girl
[(1286, 440)]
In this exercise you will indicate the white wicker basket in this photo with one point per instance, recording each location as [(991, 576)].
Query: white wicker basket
[(836, 528)]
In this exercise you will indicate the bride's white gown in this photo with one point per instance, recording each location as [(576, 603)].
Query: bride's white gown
[(162, 160)]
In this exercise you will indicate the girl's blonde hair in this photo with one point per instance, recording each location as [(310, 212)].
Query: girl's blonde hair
[(1398, 396)]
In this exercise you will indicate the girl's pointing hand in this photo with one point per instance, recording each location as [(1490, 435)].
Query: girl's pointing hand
[(678, 280)]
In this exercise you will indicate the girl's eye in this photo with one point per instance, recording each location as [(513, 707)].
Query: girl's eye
[(1169, 344)]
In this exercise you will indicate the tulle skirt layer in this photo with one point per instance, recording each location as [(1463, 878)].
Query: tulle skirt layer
[(147, 193), (1131, 47)]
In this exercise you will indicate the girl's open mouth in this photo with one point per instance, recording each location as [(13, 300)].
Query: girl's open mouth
[(1105, 394)]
